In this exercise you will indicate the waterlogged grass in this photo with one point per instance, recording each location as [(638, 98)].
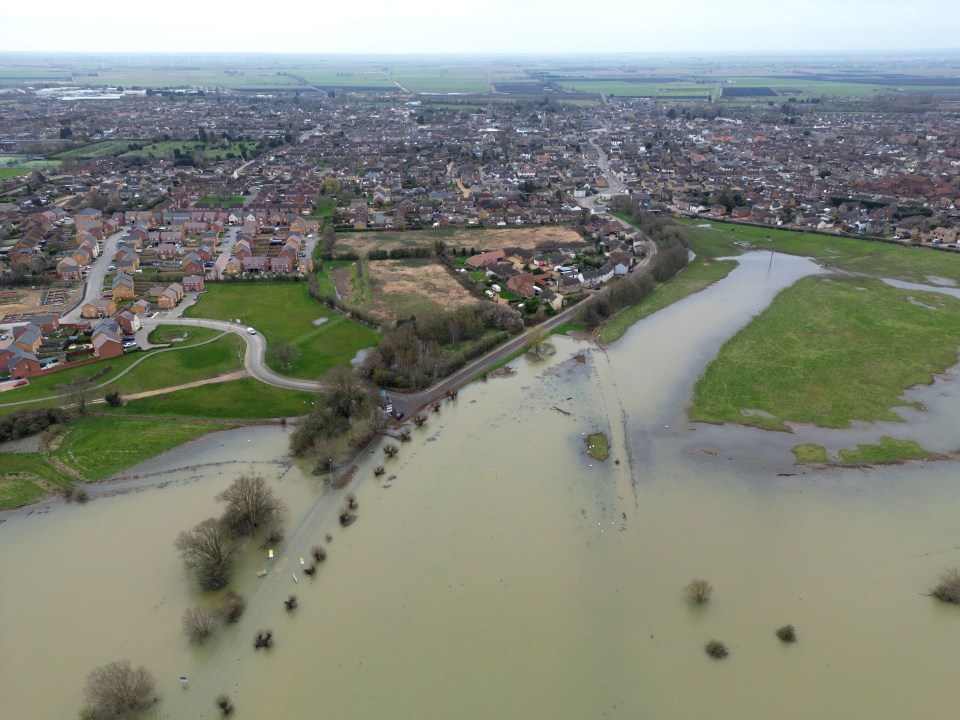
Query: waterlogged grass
[(285, 313), (698, 275), (598, 447), (244, 399), (827, 352), (888, 451), (26, 477), (862, 256), (809, 453), (99, 447)]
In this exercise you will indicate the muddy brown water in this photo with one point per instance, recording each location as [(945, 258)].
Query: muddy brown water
[(501, 572)]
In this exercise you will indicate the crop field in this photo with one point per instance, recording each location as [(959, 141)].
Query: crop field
[(621, 88), (180, 77), (481, 239)]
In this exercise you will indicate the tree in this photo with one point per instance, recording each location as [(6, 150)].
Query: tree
[(77, 392), (118, 690), (198, 623), (346, 392), (250, 504), (699, 591), (113, 399), (65, 133), (538, 343), (948, 590), (208, 550), (284, 353)]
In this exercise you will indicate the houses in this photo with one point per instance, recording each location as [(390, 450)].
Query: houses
[(100, 308), (123, 287), (193, 283)]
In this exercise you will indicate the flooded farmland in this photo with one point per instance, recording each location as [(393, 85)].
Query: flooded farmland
[(496, 570)]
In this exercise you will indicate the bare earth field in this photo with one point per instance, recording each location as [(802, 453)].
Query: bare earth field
[(17, 303), (400, 288), (487, 239)]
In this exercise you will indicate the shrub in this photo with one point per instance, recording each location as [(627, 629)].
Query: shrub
[(113, 399), (263, 639), (699, 591), (787, 633), (198, 623), (716, 649), (948, 590), (224, 703)]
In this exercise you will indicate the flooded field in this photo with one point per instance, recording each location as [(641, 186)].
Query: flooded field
[(498, 571)]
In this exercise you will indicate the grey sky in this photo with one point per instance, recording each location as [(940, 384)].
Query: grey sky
[(471, 26)]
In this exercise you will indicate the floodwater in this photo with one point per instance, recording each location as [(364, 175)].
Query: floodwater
[(495, 570)]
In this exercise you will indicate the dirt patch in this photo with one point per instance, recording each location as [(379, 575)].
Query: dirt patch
[(21, 305), (528, 238), (341, 280), (403, 287)]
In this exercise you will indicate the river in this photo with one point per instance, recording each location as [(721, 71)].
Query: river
[(495, 570)]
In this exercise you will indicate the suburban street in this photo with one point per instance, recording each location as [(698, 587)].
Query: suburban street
[(93, 284)]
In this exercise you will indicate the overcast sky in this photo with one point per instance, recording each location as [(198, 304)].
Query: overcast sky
[(473, 26)]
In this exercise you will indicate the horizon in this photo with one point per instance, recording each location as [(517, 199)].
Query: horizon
[(486, 28)]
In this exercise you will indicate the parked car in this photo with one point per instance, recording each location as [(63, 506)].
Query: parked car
[(131, 345)]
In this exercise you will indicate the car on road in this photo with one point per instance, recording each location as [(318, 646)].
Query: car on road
[(399, 415), (131, 345), (251, 331), (111, 267)]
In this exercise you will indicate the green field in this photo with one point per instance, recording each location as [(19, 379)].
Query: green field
[(155, 371), (220, 201), (699, 274), (244, 399), (206, 151), (26, 477), (619, 88), (104, 148), (99, 447), (285, 313), (852, 254), (829, 351), (6, 173)]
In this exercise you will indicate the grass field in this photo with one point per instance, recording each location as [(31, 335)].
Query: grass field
[(828, 352), (220, 201), (861, 256), (13, 172), (244, 399), (26, 477), (394, 289), (698, 275), (285, 313), (104, 148), (99, 447), (157, 370), (167, 148)]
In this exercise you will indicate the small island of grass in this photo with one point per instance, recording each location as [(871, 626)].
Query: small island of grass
[(598, 447)]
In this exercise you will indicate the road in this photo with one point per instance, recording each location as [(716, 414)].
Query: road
[(93, 287), (408, 402)]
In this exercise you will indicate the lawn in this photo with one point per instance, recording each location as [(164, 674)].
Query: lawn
[(99, 447), (26, 477), (862, 256), (245, 399), (220, 201), (13, 172), (829, 351), (158, 370), (699, 274), (103, 148), (887, 452), (285, 313)]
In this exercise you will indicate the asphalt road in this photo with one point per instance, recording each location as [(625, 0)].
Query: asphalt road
[(94, 279)]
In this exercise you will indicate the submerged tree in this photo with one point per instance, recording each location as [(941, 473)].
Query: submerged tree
[(699, 591), (208, 550), (250, 504), (948, 589), (198, 623), (118, 690)]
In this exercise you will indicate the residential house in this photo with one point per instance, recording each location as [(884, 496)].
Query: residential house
[(123, 287), (99, 308), (193, 283)]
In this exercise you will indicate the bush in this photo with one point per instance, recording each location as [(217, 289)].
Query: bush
[(224, 703), (118, 690), (787, 634), (948, 590), (716, 649), (198, 623), (699, 591), (231, 606), (113, 399)]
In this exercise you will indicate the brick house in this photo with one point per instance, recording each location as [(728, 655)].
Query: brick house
[(193, 283)]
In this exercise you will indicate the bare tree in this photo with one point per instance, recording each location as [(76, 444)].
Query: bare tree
[(208, 550), (231, 606), (699, 591), (285, 354), (198, 623), (251, 503), (118, 690), (77, 392), (346, 391), (538, 344)]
